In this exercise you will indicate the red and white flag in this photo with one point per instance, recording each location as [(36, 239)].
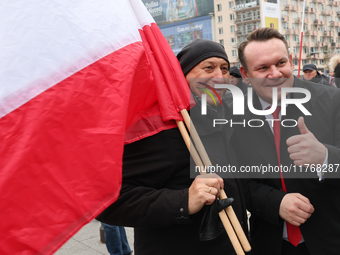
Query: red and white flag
[(78, 79)]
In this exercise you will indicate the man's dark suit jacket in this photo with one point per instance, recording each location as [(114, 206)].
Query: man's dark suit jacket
[(154, 195), (256, 146)]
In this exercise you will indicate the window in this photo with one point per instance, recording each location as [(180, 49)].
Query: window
[(296, 38), (312, 16), (294, 15), (219, 7), (329, 18), (305, 50), (304, 61), (295, 62), (314, 61), (234, 53), (232, 29), (283, 2), (231, 4), (219, 19), (239, 17), (294, 2), (220, 31), (312, 49), (222, 42), (233, 41), (321, 17), (286, 37), (285, 25), (284, 13), (295, 26), (320, 6), (231, 16), (305, 38), (322, 61), (329, 8), (312, 5), (296, 49)]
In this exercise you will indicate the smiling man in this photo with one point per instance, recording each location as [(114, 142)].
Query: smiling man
[(159, 198), (291, 213)]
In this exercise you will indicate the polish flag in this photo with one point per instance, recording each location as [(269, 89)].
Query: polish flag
[(78, 79)]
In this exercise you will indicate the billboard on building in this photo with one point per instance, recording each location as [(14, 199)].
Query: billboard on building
[(271, 15), (166, 11), (181, 33)]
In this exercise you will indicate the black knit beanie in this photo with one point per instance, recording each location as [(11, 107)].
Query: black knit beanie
[(234, 71), (197, 51)]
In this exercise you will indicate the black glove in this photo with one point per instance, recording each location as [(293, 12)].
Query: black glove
[(211, 225)]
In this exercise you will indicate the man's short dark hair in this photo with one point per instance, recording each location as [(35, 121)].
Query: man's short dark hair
[(259, 35)]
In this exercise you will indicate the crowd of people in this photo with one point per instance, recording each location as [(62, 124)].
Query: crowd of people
[(168, 206)]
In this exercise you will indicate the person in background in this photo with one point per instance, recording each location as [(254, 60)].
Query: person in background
[(334, 66), (236, 79), (116, 240), (310, 73)]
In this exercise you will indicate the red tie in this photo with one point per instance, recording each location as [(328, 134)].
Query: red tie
[(294, 233)]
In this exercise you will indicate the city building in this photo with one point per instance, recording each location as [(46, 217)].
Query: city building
[(321, 37), (230, 21)]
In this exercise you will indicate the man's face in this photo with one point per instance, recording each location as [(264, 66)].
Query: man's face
[(215, 70), (309, 74), (268, 62)]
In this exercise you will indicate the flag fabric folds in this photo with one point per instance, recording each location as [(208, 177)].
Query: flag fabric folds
[(78, 79)]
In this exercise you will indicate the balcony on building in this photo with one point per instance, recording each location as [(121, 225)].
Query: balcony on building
[(299, 20), (246, 6), (288, 7), (316, 22), (285, 19)]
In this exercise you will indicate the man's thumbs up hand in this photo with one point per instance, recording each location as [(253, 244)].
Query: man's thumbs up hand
[(302, 126), (305, 148)]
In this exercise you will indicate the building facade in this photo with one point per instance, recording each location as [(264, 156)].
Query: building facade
[(235, 19), (229, 22)]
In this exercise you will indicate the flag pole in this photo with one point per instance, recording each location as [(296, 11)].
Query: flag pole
[(224, 218), (303, 19), (229, 210)]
